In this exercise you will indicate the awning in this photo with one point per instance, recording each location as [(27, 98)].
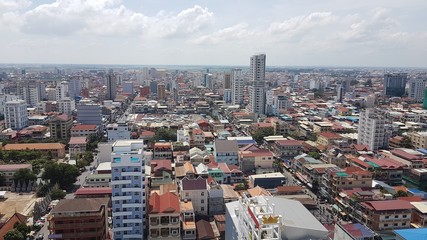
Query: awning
[(343, 214), (338, 209)]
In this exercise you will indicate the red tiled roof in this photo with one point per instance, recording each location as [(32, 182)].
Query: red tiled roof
[(77, 140), (405, 155), (83, 127), (411, 199), (329, 135), (360, 147), (93, 191), (388, 205), (147, 133), (13, 167), (257, 153), (198, 131), (163, 164), (166, 203)]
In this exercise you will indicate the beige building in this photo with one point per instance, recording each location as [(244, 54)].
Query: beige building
[(60, 126), (8, 170), (188, 220), (418, 139), (386, 215), (195, 190), (56, 149), (164, 217), (322, 127)]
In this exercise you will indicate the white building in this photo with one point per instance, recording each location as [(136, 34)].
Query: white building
[(257, 88), (61, 90), (128, 189), (416, 89), (118, 131), (195, 190), (6, 98), (237, 84), (66, 105), (15, 114), (271, 218), (371, 129), (227, 96), (280, 102)]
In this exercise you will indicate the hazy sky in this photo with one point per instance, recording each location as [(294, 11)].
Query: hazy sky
[(216, 32)]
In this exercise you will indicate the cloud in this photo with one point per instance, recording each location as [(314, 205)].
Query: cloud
[(298, 26), (7, 5), (236, 32), (106, 18)]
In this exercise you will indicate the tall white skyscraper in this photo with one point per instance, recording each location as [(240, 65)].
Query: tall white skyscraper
[(416, 88), (61, 90), (257, 87), (371, 131), (237, 83), (15, 114), (128, 189)]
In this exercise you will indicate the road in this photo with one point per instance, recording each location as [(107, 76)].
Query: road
[(80, 180)]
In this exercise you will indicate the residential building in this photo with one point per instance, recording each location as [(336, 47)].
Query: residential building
[(8, 171), (111, 83), (164, 217), (394, 84), (60, 126), (161, 173), (386, 215), (271, 218), (128, 87), (419, 214), (416, 89), (353, 231), (128, 189), (15, 114), (195, 190), (251, 160), (76, 146), (6, 98), (118, 131), (61, 90), (267, 180), (66, 105), (74, 87), (327, 138), (188, 220), (257, 87), (93, 192), (84, 130), (98, 181), (418, 139), (237, 85), (161, 91), (216, 199), (57, 150), (89, 113), (79, 219), (226, 151), (162, 150), (287, 148), (371, 131)]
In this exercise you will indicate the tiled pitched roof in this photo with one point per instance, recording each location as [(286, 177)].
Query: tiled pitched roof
[(194, 184), (166, 203)]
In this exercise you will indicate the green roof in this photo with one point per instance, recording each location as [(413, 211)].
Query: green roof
[(342, 174), (373, 164)]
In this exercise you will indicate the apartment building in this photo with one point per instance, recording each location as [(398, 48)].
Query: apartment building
[(386, 215), (76, 146), (251, 160), (327, 138), (79, 219), (287, 148), (98, 180), (162, 150), (226, 151), (60, 126), (195, 190), (164, 216), (188, 220), (419, 214), (161, 173), (83, 130), (128, 189), (371, 131), (118, 131), (418, 139), (15, 114)]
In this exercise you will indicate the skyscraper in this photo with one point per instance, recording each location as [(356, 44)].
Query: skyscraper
[(15, 114), (111, 86), (161, 91), (416, 89), (257, 87), (394, 84), (371, 131), (340, 93), (237, 83), (74, 87), (227, 81), (128, 189)]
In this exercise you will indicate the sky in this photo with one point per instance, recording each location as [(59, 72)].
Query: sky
[(372, 33)]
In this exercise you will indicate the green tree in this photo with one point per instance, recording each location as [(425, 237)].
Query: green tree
[(63, 174), (57, 194), (24, 175), (88, 156), (259, 134), (2, 179), (315, 155), (165, 135), (14, 235), (401, 193), (406, 142), (22, 228)]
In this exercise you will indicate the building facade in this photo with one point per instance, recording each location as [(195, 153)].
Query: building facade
[(89, 113), (257, 87), (394, 84), (416, 89), (371, 131), (128, 189), (118, 131), (237, 85), (15, 114)]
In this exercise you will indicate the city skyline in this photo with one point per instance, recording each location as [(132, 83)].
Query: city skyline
[(291, 33)]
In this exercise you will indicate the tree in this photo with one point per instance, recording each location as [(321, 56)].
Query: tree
[(22, 228), (165, 135), (24, 175), (368, 83), (14, 235), (63, 174), (401, 193), (57, 194), (315, 155), (261, 133), (2, 179)]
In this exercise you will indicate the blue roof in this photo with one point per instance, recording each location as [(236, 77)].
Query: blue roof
[(245, 142), (414, 190), (353, 119), (412, 234), (422, 150)]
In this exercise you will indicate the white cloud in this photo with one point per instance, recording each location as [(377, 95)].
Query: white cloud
[(7, 5), (236, 32), (301, 25)]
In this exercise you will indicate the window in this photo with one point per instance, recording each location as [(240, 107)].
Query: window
[(386, 225), (397, 216), (202, 209), (202, 201), (386, 217), (203, 193)]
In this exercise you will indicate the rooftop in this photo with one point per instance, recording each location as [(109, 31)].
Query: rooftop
[(388, 205), (13, 167), (80, 205), (166, 203), (93, 191), (412, 234), (83, 127), (77, 140), (34, 146), (222, 145), (194, 184)]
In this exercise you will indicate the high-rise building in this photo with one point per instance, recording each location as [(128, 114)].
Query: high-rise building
[(66, 105), (227, 81), (118, 131), (340, 93), (74, 87), (31, 92), (61, 90), (6, 98), (161, 91), (128, 87), (416, 89), (15, 114), (128, 189), (257, 87), (111, 86), (425, 99), (60, 126), (153, 87), (237, 84), (371, 131), (394, 84), (89, 113), (227, 96)]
